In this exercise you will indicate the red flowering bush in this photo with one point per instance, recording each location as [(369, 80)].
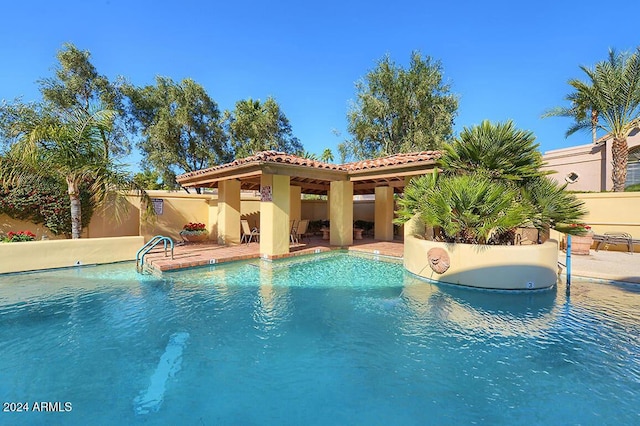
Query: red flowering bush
[(44, 202), (15, 237), (194, 228)]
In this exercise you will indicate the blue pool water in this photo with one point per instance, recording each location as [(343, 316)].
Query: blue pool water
[(323, 340)]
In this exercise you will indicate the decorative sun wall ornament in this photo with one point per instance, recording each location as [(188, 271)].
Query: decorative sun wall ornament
[(438, 260)]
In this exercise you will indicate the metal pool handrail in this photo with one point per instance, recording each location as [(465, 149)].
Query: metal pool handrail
[(149, 246)]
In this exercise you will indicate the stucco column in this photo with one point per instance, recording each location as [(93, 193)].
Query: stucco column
[(274, 215), (341, 214), (404, 230), (383, 229), (295, 208), (229, 212), (328, 206)]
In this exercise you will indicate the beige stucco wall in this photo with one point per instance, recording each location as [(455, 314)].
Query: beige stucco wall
[(314, 210), (586, 160), (179, 209), (7, 225), (105, 222), (35, 255), (592, 162), (613, 212)]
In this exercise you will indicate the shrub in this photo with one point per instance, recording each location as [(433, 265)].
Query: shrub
[(44, 202), (633, 188)]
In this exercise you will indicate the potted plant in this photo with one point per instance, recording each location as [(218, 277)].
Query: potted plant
[(582, 238), (194, 232)]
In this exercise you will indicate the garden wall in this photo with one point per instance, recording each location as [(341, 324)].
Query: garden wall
[(613, 212), (35, 255)]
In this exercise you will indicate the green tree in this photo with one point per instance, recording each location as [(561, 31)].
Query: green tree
[(180, 125), (327, 155), (77, 84), (612, 91), (256, 126), (400, 110), (490, 184), (149, 179), (67, 145)]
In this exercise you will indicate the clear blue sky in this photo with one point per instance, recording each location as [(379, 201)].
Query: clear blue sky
[(504, 59)]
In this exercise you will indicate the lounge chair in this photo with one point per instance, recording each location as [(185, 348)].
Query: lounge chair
[(247, 233), (299, 231), (615, 238)]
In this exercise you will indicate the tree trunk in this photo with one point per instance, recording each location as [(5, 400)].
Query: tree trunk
[(594, 125), (76, 211), (620, 154)]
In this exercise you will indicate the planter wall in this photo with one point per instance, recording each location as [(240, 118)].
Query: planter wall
[(492, 267)]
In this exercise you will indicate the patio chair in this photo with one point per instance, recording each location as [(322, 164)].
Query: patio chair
[(300, 231), (292, 229), (248, 233)]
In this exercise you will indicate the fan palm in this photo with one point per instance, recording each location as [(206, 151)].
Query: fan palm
[(490, 184), (500, 151), (472, 208), (613, 93)]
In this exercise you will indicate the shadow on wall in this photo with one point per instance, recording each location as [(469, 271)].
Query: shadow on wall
[(8, 224), (169, 223)]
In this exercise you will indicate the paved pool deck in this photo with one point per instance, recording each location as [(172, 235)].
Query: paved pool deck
[(602, 265), (189, 255)]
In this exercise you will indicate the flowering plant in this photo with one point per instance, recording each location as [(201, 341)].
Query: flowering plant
[(579, 229), (194, 228), (14, 237)]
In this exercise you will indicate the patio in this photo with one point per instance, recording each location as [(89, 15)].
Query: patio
[(198, 254)]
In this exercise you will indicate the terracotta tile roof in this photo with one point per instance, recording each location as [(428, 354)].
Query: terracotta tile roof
[(267, 157), (393, 160), (284, 158)]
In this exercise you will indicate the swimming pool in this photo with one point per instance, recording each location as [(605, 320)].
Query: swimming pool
[(326, 339)]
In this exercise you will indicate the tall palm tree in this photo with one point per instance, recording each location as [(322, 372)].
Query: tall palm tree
[(326, 155), (68, 145), (613, 93)]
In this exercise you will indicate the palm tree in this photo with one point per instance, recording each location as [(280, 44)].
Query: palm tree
[(499, 151), (612, 94), (68, 145), (326, 155)]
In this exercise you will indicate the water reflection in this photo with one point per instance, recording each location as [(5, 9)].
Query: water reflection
[(271, 307), (481, 312)]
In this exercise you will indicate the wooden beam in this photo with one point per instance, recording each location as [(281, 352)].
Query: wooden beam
[(315, 173)]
